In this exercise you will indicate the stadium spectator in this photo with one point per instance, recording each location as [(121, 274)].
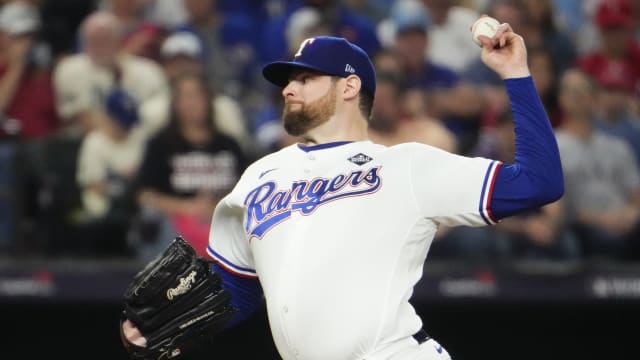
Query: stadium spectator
[(348, 24), (182, 53), (340, 19), (615, 114), (446, 95), (109, 155), (168, 14), (27, 114), (544, 75), (602, 180), (371, 10), (449, 41), (27, 105), (573, 18), (108, 161), (618, 56), (187, 168), (615, 66), (539, 30), (141, 36), (83, 81), (391, 125), (228, 42)]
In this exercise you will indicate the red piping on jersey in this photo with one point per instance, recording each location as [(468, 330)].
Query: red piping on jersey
[(228, 269), (493, 182)]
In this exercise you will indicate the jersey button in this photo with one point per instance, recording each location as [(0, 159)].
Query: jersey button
[(312, 157), (285, 309), (306, 171)]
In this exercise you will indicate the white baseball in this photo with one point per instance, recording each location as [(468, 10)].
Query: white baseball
[(486, 26)]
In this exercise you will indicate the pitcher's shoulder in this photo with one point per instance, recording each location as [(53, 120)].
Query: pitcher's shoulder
[(414, 147), (275, 159)]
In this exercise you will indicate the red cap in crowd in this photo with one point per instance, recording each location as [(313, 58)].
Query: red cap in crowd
[(616, 75), (614, 13)]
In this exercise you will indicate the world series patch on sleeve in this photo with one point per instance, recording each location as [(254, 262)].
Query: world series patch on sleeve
[(177, 304)]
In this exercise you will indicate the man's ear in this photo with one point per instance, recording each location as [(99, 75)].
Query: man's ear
[(353, 84)]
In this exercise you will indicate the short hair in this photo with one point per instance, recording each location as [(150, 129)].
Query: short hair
[(365, 102)]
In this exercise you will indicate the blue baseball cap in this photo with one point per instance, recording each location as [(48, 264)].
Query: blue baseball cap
[(329, 55), (122, 107)]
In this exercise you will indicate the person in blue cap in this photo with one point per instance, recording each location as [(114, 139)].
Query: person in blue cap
[(333, 232)]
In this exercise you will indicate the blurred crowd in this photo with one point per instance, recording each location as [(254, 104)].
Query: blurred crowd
[(124, 122)]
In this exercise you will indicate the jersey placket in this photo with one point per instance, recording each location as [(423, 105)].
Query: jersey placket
[(289, 275), (309, 163)]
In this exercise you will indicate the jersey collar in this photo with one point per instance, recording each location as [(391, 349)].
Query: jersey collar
[(322, 146)]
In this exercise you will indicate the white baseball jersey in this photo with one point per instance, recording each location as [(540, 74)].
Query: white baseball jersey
[(338, 233)]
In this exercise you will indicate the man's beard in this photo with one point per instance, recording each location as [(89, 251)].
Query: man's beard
[(311, 115)]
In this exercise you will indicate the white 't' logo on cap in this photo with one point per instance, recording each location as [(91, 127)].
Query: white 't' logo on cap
[(302, 45)]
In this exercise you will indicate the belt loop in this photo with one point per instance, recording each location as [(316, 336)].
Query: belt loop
[(421, 336)]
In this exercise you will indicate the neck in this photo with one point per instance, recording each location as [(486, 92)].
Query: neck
[(350, 127), (196, 134)]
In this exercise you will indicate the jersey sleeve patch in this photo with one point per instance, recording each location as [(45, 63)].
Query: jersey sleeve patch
[(231, 267), (487, 193)]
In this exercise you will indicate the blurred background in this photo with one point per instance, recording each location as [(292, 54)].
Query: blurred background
[(123, 122)]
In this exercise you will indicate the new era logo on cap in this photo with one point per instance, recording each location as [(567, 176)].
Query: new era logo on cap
[(329, 55)]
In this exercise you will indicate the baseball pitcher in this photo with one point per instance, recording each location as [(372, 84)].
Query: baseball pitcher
[(333, 232)]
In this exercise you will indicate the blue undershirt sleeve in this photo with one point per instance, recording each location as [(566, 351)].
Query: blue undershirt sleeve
[(246, 294), (535, 178)]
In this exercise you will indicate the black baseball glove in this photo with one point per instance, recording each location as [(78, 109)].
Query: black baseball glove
[(176, 303)]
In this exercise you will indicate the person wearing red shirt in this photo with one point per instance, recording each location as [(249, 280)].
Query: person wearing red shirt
[(616, 63), (27, 107)]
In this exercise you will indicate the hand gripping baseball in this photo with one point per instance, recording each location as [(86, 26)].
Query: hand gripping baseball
[(506, 53), (173, 306)]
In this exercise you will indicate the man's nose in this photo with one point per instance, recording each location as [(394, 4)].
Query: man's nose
[(289, 90)]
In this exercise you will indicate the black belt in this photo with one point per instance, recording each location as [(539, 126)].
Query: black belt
[(421, 336)]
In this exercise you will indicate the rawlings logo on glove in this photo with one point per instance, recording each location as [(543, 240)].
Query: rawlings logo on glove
[(185, 285), (176, 303)]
